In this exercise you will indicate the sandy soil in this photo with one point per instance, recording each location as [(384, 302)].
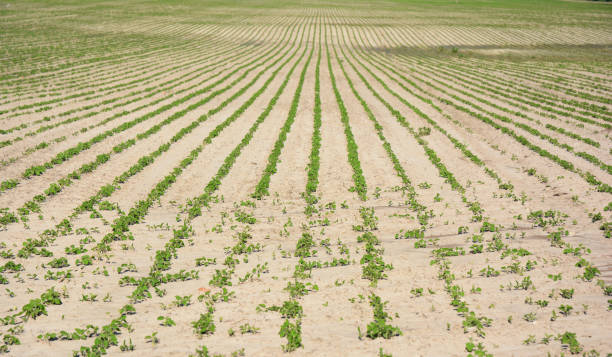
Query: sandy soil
[(474, 240)]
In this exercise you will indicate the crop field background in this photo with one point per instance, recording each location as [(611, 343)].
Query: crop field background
[(328, 178)]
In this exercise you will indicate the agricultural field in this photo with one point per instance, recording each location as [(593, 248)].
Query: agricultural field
[(327, 178)]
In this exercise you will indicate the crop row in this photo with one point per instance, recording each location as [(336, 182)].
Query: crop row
[(38, 170), (587, 176), (588, 109), (204, 325), (424, 60), (524, 91), (92, 80), (151, 92), (261, 189), (553, 82), (401, 173), (552, 140), (139, 210), (522, 115), (530, 130), (315, 149), (120, 227), (125, 85), (353, 157)]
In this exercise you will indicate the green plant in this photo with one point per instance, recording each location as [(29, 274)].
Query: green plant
[(368, 218), (293, 333), (478, 350), (529, 340), (51, 297), (530, 317), (261, 188), (166, 321), (417, 292), (590, 272), (565, 310), (304, 245), (59, 263), (379, 327), (489, 272), (205, 324), (546, 339), (152, 338), (221, 278), (203, 261), (300, 289), (569, 339), (383, 354), (181, 301), (289, 309), (542, 303), (476, 322), (33, 309), (247, 328), (525, 284), (353, 157), (125, 347), (201, 352), (567, 293)]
